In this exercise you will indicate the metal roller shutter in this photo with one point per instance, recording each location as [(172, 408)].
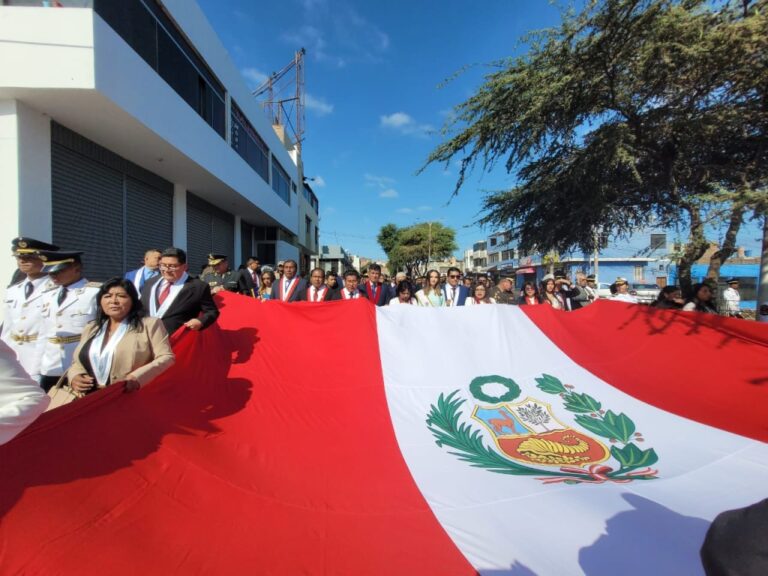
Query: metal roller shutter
[(149, 217), (246, 241), (209, 229), (198, 236), (87, 204), (223, 241), (105, 205)]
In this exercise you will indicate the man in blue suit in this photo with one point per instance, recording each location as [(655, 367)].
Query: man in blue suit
[(150, 269), (455, 293)]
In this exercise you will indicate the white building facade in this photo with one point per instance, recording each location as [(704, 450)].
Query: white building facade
[(124, 125)]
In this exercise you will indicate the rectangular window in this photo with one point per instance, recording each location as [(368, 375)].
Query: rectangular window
[(311, 199), (658, 241), (248, 144), (266, 254), (281, 182), (493, 258), (638, 273), (507, 255), (262, 233), (148, 30)]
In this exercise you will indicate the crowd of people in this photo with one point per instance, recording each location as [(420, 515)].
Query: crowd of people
[(73, 336)]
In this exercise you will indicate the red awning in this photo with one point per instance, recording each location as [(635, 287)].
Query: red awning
[(526, 271)]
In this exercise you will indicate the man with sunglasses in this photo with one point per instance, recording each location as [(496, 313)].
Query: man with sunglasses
[(178, 298), (23, 303), (455, 293)]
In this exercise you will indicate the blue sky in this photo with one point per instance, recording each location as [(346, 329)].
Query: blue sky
[(376, 97)]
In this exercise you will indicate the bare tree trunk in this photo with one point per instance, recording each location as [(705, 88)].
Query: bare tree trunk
[(694, 249), (728, 246)]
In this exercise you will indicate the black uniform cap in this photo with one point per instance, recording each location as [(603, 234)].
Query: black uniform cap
[(27, 245)]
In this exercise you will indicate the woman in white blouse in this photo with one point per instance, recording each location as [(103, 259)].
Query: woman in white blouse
[(480, 296), (403, 294)]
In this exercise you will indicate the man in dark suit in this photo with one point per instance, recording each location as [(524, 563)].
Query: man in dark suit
[(377, 292), (249, 278), (289, 286), (176, 297), (317, 291), (351, 290), (455, 293)]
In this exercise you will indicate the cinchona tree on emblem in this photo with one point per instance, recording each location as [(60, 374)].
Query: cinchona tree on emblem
[(529, 440)]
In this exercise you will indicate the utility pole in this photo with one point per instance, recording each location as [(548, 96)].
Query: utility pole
[(597, 265), (761, 314)]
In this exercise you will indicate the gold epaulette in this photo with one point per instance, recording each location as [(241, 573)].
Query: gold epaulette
[(94, 284)]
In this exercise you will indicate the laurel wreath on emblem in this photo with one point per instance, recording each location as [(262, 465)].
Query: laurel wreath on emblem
[(466, 442)]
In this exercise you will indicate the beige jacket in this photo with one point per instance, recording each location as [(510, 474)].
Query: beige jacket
[(144, 354)]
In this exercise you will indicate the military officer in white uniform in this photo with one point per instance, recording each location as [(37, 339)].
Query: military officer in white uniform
[(22, 319), (66, 310)]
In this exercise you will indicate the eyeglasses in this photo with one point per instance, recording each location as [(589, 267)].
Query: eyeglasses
[(455, 276), (170, 266)]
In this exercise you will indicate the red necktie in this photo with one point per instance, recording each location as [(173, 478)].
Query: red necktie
[(314, 298), (164, 294)]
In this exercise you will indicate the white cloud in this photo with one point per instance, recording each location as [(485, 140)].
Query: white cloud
[(318, 182), (405, 124), (388, 193), (311, 5), (254, 77), (404, 210), (381, 182), (335, 33), (317, 105), (424, 208), (396, 120)]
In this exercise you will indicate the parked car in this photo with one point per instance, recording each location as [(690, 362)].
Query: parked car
[(645, 293)]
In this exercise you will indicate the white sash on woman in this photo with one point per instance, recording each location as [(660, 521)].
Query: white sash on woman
[(100, 355)]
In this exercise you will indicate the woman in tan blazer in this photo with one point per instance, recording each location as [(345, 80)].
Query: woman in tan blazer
[(121, 345)]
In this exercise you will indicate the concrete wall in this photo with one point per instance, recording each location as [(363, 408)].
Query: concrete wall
[(59, 42), (25, 179)]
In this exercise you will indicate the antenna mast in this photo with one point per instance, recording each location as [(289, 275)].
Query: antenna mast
[(284, 106)]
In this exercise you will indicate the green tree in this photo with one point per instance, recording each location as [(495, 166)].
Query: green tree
[(387, 239), (630, 113), (411, 248)]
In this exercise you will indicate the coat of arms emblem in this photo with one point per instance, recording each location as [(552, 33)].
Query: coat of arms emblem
[(530, 440)]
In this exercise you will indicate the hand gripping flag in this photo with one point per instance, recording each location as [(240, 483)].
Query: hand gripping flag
[(347, 439)]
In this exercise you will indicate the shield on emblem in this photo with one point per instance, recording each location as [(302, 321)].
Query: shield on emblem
[(528, 431)]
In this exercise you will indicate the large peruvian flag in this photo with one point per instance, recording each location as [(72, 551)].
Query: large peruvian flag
[(341, 438)]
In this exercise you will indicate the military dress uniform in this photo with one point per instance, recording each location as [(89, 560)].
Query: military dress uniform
[(64, 322), (22, 308), (23, 321), (227, 281)]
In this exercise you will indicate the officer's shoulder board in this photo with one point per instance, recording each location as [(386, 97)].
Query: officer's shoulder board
[(94, 284)]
